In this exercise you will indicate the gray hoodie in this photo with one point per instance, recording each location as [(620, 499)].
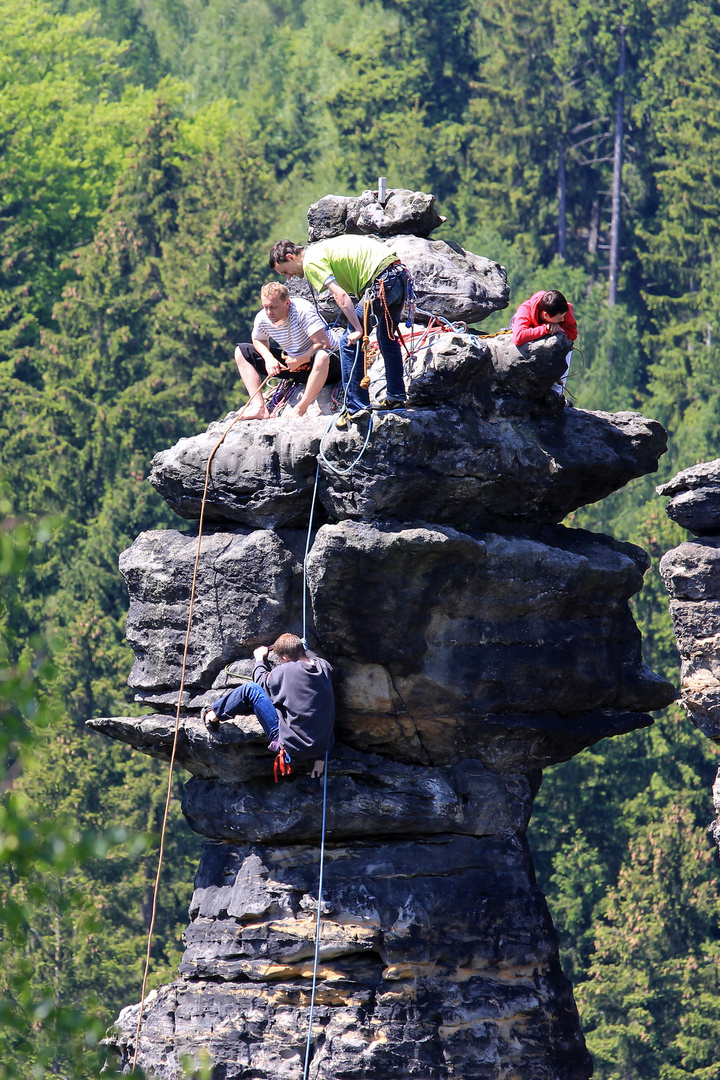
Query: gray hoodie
[(302, 694)]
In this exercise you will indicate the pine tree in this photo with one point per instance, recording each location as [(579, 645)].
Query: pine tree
[(45, 1029), (64, 118), (660, 923)]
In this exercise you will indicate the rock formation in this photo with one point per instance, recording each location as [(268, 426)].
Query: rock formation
[(691, 573), (402, 212), (475, 641)]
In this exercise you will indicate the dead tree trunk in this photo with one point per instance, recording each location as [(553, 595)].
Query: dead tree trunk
[(614, 271), (562, 200)]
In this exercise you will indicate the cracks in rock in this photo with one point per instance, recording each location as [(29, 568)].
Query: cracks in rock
[(428, 756)]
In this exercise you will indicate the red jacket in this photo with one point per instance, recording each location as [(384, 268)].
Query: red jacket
[(527, 325)]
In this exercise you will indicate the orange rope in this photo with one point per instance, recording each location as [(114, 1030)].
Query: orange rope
[(365, 381), (177, 717)]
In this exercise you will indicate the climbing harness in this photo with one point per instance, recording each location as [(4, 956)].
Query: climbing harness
[(376, 292)]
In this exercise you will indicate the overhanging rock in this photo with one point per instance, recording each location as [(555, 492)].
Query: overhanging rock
[(486, 446)]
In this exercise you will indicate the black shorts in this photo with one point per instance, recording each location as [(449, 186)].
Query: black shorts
[(253, 357)]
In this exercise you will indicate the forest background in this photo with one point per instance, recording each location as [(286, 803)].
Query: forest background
[(150, 151)]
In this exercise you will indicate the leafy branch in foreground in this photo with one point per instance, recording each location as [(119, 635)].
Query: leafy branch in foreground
[(41, 1032)]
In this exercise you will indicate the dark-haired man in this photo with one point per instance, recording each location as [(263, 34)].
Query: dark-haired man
[(362, 267), (294, 701), (543, 314)]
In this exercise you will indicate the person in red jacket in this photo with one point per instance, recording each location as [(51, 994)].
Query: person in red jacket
[(543, 314)]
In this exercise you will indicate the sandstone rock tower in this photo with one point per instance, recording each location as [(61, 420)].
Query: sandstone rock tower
[(691, 573), (475, 641)]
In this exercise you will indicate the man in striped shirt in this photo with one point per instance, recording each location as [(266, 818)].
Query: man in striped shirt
[(362, 267), (290, 339)]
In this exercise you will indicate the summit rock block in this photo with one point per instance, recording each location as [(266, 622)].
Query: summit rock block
[(403, 211)]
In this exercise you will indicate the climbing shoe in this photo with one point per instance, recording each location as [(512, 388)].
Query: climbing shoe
[(208, 716), (389, 404), (343, 418)]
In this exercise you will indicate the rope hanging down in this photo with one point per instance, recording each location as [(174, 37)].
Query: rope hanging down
[(321, 450), (317, 925), (179, 704), (177, 720)]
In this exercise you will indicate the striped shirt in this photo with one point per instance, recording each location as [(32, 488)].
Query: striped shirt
[(293, 335)]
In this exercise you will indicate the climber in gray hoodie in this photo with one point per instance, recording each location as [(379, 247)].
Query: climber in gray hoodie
[(298, 691)]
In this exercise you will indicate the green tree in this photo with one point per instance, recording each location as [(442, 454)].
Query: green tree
[(660, 931), (43, 1029), (680, 240), (65, 118), (126, 22)]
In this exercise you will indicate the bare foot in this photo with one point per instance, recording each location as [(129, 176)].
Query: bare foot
[(259, 413)]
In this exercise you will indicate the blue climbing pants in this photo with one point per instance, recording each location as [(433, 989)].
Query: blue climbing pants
[(351, 355), (246, 698)]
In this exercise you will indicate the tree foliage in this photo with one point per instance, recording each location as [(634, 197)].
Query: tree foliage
[(149, 154)]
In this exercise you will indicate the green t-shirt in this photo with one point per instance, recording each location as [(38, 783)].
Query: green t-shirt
[(354, 261)]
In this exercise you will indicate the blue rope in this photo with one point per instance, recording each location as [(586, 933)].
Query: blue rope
[(317, 927), (343, 411), (338, 472), (307, 550), (328, 464)]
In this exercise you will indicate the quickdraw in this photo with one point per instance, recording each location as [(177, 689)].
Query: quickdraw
[(282, 765)]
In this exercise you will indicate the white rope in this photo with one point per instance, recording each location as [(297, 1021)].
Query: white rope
[(317, 925), (307, 552)]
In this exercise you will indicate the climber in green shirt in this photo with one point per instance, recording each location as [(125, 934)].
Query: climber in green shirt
[(362, 267)]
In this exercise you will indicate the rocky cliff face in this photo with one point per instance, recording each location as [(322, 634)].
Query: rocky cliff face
[(475, 640), (691, 573)]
